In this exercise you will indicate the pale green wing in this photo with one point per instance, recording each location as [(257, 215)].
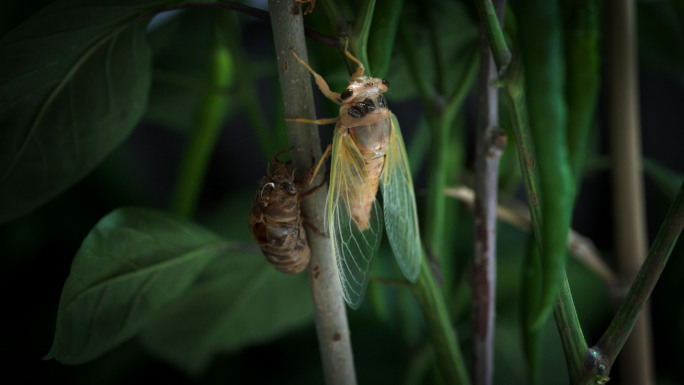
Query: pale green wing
[(353, 248), (401, 216)]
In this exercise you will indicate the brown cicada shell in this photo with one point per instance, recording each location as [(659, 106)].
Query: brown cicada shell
[(276, 222)]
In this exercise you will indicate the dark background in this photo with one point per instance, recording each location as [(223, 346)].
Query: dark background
[(36, 250)]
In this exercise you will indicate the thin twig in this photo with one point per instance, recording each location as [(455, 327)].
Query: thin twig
[(581, 248), (490, 142), (329, 307)]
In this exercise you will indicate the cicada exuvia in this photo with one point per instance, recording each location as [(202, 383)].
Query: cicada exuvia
[(367, 152), (275, 219)]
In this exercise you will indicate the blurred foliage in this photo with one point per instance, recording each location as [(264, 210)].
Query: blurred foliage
[(388, 336)]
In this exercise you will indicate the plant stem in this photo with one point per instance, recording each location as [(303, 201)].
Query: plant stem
[(441, 333), (628, 190), (207, 127), (620, 327), (440, 117), (564, 309), (570, 331), (489, 143), (360, 30), (582, 29), (541, 47), (382, 35), (491, 23), (329, 307)]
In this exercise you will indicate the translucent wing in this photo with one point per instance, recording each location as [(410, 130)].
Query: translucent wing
[(352, 247), (401, 218)]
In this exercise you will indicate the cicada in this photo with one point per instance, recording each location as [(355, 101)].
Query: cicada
[(367, 152), (275, 219)]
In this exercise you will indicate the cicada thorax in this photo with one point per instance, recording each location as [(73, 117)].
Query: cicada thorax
[(364, 116), (276, 222)]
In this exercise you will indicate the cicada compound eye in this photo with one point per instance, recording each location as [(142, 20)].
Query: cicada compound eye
[(346, 94), (385, 83), (289, 187)]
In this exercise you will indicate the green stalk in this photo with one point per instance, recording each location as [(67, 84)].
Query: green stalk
[(570, 331), (440, 120), (205, 132), (445, 161), (583, 77), (441, 333), (515, 96), (541, 44), (565, 314), (360, 30), (494, 32), (532, 338), (381, 39), (614, 338)]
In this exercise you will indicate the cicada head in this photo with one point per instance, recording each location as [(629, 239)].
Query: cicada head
[(362, 87)]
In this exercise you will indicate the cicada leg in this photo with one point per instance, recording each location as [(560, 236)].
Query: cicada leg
[(320, 82), (314, 172), (314, 229), (316, 169), (360, 69), (319, 122)]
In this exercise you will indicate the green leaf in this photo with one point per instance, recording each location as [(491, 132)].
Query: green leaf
[(179, 80), (131, 264), (382, 35), (239, 301), (74, 80)]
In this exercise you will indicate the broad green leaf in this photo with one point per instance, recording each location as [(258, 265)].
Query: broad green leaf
[(74, 80), (238, 301), (132, 263)]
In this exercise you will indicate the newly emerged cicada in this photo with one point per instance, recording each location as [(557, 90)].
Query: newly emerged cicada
[(275, 219), (367, 152)]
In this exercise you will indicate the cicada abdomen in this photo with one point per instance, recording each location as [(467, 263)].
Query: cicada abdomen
[(365, 118), (276, 222)]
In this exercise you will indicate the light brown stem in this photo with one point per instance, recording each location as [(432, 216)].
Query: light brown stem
[(329, 308), (636, 360)]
